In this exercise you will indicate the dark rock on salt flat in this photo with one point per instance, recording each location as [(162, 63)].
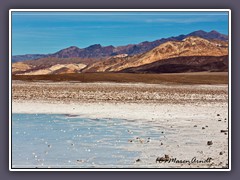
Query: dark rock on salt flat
[(209, 143), (138, 160), (224, 131), (80, 161)]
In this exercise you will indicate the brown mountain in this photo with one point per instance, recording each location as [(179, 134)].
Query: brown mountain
[(191, 46), (190, 54), (98, 51), (183, 64), (93, 51), (51, 65)]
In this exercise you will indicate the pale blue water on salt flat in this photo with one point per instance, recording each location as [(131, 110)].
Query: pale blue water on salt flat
[(60, 141)]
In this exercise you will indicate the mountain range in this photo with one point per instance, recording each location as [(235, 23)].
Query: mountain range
[(188, 47), (184, 53), (98, 51)]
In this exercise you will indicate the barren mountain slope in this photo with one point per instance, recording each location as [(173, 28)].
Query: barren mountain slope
[(50, 66), (191, 46), (183, 64), (58, 69)]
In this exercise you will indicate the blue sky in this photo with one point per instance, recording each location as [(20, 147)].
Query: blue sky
[(48, 32)]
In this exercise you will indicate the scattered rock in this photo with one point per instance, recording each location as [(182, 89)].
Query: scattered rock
[(138, 160), (224, 131), (195, 126), (206, 126), (209, 143), (221, 153), (203, 127), (218, 114), (219, 120), (130, 140)]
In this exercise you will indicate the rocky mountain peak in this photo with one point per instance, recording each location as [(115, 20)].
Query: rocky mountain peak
[(94, 46)]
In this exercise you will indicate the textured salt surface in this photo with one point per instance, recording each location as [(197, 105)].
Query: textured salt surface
[(67, 141)]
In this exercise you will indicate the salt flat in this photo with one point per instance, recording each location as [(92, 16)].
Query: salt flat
[(187, 115)]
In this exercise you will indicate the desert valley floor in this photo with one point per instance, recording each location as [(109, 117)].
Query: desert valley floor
[(191, 119)]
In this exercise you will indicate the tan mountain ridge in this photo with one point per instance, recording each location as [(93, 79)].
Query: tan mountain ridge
[(50, 66), (191, 46), (58, 69), (20, 67)]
